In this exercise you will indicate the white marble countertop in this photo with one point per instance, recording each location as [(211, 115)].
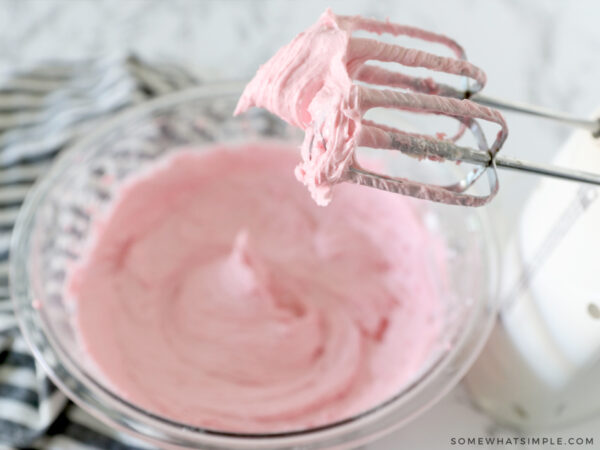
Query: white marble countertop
[(539, 51)]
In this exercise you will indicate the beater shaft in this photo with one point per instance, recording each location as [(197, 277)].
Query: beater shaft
[(589, 124)]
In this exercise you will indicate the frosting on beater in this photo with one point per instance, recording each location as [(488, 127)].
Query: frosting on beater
[(312, 83)]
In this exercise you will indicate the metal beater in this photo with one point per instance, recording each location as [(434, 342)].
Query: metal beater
[(437, 98)]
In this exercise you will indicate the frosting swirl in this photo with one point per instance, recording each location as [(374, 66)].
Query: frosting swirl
[(216, 293)]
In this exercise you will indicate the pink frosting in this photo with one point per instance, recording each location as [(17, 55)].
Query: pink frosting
[(311, 83), (216, 293)]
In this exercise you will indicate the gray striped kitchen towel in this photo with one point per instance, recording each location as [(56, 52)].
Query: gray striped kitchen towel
[(42, 111)]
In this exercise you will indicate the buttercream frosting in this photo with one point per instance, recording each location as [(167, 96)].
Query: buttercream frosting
[(323, 82), (216, 293)]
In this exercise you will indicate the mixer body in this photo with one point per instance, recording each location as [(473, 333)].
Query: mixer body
[(541, 366)]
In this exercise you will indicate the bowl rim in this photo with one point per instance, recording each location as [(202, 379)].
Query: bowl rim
[(112, 409)]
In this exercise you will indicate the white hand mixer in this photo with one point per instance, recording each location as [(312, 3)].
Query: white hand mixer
[(541, 366)]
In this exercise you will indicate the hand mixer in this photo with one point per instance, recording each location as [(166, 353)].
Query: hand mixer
[(544, 357), (424, 95)]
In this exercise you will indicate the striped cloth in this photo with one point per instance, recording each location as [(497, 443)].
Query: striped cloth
[(42, 111)]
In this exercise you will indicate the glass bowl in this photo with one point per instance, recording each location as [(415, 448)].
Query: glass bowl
[(56, 219)]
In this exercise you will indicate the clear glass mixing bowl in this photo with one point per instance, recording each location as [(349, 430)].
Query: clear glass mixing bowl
[(56, 219)]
